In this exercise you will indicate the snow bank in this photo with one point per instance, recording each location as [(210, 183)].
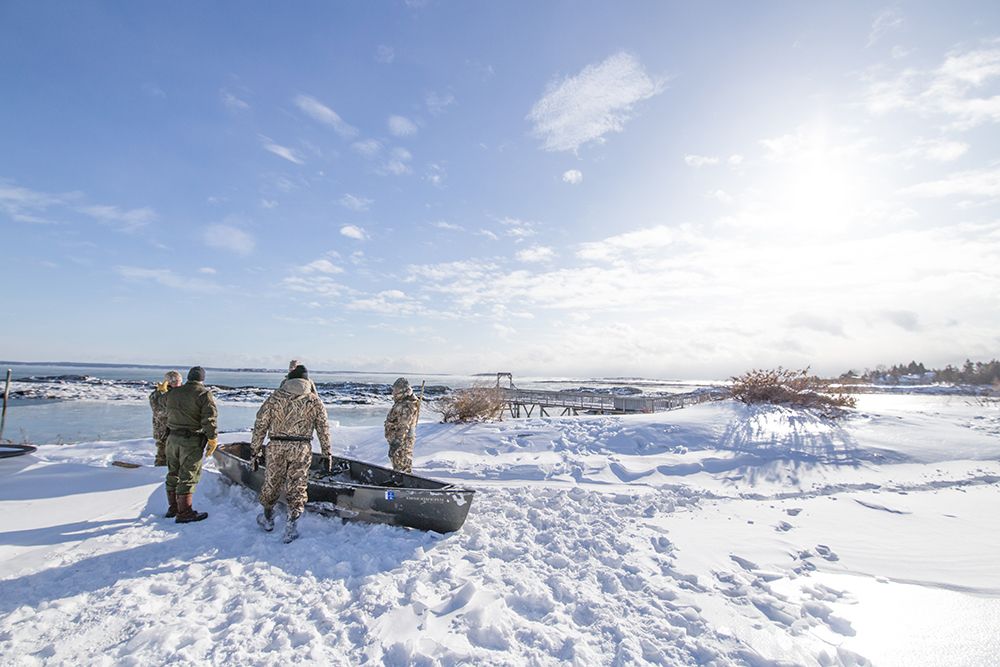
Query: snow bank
[(718, 534)]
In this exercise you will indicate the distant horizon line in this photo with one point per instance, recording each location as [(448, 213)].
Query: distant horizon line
[(245, 369), (84, 364)]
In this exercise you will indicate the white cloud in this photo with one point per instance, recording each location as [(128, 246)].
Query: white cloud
[(154, 90), (938, 150), (721, 196), (401, 126), (227, 237), (385, 54), (324, 114), (207, 270), (573, 177), (944, 274), (355, 203), (268, 203), (599, 100), (700, 160), (817, 143), (442, 224), (617, 248), (125, 220), (281, 151), (322, 266), (398, 162), (898, 52), (488, 234), (816, 323), (735, 160), (26, 205), (504, 331), (353, 232), (886, 21), (517, 228), (388, 302), (167, 278), (367, 147), (437, 103), (536, 254), (435, 174), (906, 320), (957, 89), (323, 286), (944, 150), (232, 102), (971, 183)]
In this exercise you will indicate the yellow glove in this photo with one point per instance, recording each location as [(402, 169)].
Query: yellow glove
[(162, 387), (210, 447)]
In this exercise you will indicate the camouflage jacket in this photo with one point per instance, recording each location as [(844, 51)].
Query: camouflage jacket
[(292, 410), (312, 385), (157, 401), (191, 407), (401, 421)]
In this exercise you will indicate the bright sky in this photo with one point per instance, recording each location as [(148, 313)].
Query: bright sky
[(652, 188)]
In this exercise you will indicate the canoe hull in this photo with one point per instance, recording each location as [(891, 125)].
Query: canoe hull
[(362, 491)]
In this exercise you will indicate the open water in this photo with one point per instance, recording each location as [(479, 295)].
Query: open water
[(65, 404)]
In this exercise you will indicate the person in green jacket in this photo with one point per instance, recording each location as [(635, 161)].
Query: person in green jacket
[(192, 435)]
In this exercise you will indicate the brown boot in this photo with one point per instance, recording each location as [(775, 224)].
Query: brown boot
[(171, 505), (185, 512)]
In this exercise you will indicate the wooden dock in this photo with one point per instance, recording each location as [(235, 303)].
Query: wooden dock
[(524, 402)]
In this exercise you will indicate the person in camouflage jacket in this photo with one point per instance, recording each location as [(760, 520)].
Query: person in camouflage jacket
[(288, 417), (157, 402), (401, 425), (291, 367)]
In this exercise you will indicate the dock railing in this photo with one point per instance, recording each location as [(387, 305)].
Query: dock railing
[(575, 402)]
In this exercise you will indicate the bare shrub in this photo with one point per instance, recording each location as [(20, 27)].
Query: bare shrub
[(787, 387), (474, 404)]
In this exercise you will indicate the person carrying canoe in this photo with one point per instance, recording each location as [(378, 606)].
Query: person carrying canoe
[(192, 433), (157, 402), (401, 425), (288, 417)]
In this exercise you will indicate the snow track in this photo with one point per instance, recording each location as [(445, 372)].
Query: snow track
[(592, 541)]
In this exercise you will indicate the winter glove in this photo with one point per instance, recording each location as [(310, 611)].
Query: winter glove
[(255, 458), (210, 447), (162, 387)]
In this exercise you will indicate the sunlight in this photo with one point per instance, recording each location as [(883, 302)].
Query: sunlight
[(821, 187)]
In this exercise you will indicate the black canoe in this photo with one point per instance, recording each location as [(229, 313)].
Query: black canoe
[(357, 490)]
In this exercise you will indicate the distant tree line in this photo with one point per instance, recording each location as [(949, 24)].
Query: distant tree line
[(979, 372)]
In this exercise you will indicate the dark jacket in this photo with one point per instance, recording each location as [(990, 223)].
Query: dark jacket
[(191, 407)]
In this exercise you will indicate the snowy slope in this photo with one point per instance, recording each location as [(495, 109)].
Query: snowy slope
[(717, 534)]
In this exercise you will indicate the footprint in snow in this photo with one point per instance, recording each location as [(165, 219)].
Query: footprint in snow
[(783, 526), (661, 544), (827, 553), (794, 511), (747, 565)]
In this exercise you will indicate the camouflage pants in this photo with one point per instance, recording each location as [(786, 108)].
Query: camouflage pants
[(161, 451), (160, 438), (183, 462), (286, 464), (401, 454)]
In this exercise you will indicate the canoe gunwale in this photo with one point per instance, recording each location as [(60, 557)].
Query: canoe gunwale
[(413, 501)]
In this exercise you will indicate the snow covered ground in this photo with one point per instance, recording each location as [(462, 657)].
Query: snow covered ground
[(718, 534)]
